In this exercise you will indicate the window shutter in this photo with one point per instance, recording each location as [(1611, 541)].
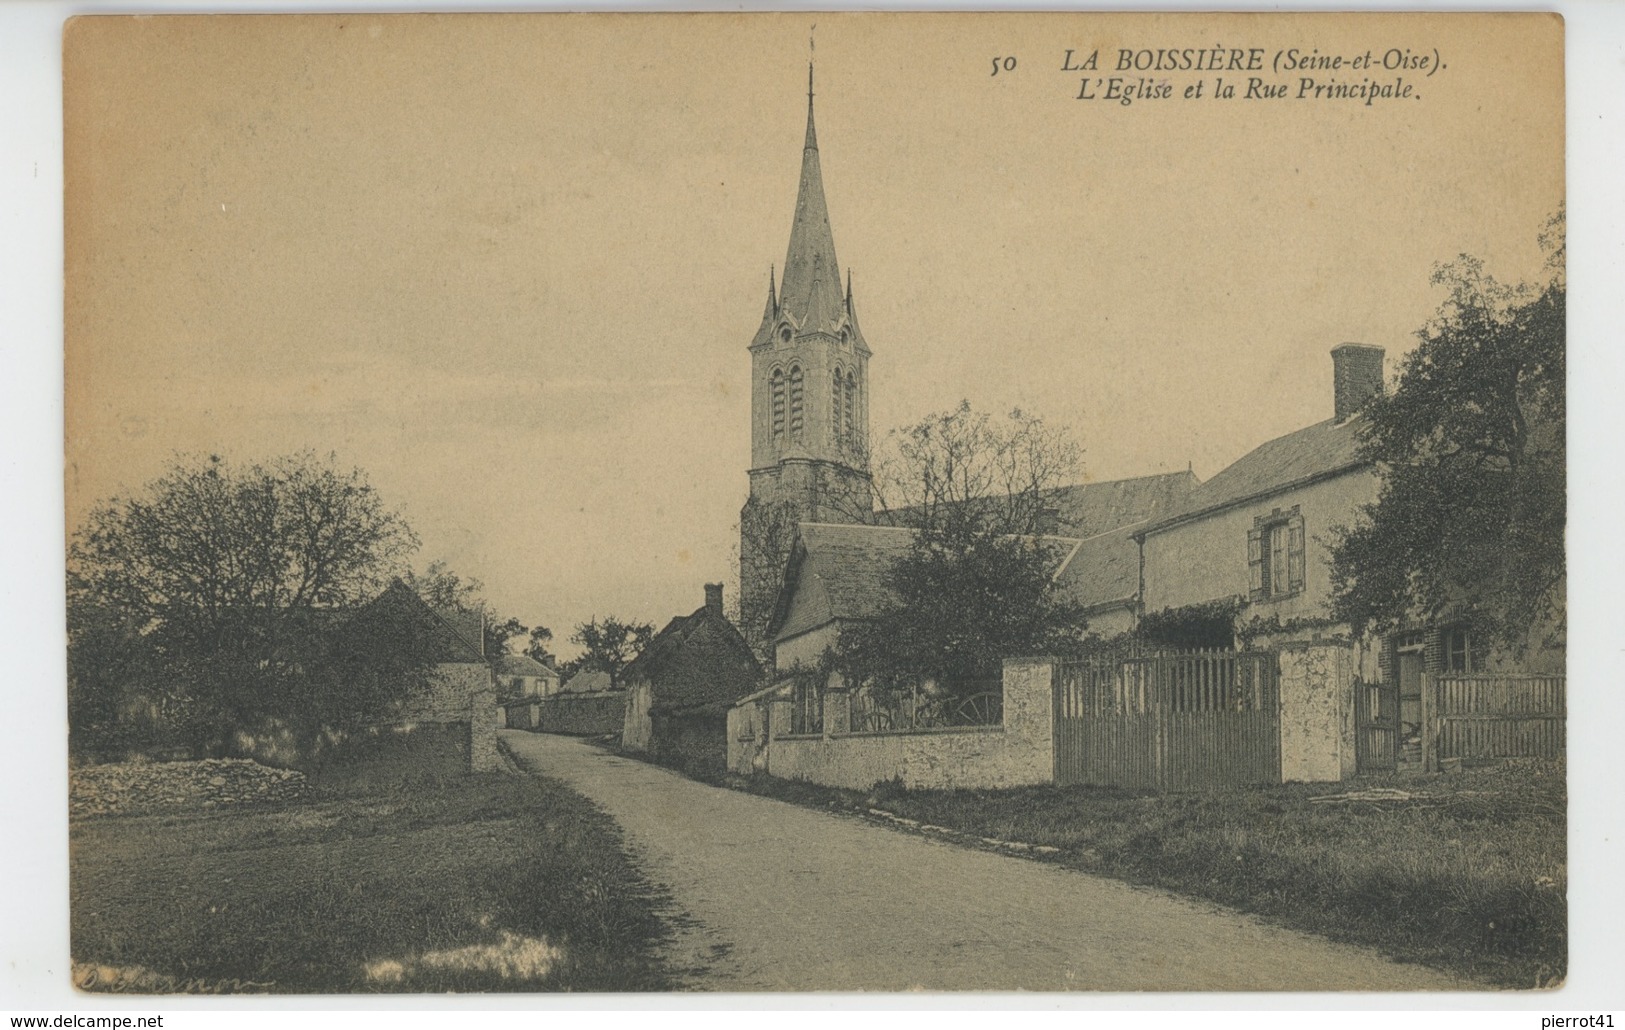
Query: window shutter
[(1294, 555), (1255, 563)]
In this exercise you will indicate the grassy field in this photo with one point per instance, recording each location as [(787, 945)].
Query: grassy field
[(474, 883), (1470, 878)]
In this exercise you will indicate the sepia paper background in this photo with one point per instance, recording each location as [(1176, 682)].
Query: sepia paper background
[(509, 265), (968, 285)]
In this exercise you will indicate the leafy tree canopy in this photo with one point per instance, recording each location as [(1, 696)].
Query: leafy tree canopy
[(208, 593), (446, 590), (609, 644), (540, 637), (963, 602), (1469, 522)]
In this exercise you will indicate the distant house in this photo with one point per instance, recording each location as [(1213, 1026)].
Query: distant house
[(588, 681), (520, 675), (522, 683), (587, 705), (679, 689), (457, 696)]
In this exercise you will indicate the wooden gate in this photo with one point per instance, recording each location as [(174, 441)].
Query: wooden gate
[(1376, 726), (1169, 721), (1477, 717)]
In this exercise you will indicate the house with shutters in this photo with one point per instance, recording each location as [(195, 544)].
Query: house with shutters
[(1253, 543), (1257, 533)]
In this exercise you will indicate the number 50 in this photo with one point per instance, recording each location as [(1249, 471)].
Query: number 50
[(1006, 63)]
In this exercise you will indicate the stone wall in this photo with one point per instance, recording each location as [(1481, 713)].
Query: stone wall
[(584, 715), (804, 650), (483, 753), (1317, 712), (635, 726), (1017, 753), (462, 693), (696, 744), (747, 738), (521, 715)]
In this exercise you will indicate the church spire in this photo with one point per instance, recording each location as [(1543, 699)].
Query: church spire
[(810, 290), (812, 136)]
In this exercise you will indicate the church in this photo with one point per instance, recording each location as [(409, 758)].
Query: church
[(810, 467)]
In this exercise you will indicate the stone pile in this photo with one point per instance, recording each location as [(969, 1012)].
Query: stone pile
[(130, 787)]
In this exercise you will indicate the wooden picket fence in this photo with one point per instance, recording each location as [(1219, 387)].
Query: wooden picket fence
[(1169, 721), (1478, 717)]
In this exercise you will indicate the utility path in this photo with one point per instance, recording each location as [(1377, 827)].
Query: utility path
[(775, 897)]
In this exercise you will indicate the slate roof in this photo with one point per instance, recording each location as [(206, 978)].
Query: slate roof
[(1089, 509), (697, 664), (449, 636), (809, 295), (1103, 569), (1316, 452), (810, 290), (842, 570), (587, 681), (469, 627), (519, 665)]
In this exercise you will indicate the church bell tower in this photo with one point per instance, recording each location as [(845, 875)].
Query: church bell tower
[(809, 450)]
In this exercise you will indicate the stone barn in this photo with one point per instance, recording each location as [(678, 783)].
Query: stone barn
[(679, 690)]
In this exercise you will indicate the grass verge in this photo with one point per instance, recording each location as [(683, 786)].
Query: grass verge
[(469, 883), (1471, 879)]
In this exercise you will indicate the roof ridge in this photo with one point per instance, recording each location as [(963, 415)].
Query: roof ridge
[(1121, 479), (855, 525), (1114, 530), (457, 634)]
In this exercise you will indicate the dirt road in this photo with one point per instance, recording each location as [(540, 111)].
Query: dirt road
[(774, 897)]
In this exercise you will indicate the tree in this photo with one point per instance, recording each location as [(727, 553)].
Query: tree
[(963, 602), (767, 531), (445, 590), (497, 635), (1470, 445), (977, 585), (214, 585), (540, 637), (610, 644), (964, 472)]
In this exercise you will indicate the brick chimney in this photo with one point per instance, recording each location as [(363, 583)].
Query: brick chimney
[(1356, 376), (713, 597)]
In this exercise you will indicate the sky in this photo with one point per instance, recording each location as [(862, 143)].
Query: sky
[(509, 266)]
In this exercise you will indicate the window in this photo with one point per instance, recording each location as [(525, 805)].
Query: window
[(849, 429), (795, 401), (1458, 650), (1275, 555), (777, 386), (836, 399)]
